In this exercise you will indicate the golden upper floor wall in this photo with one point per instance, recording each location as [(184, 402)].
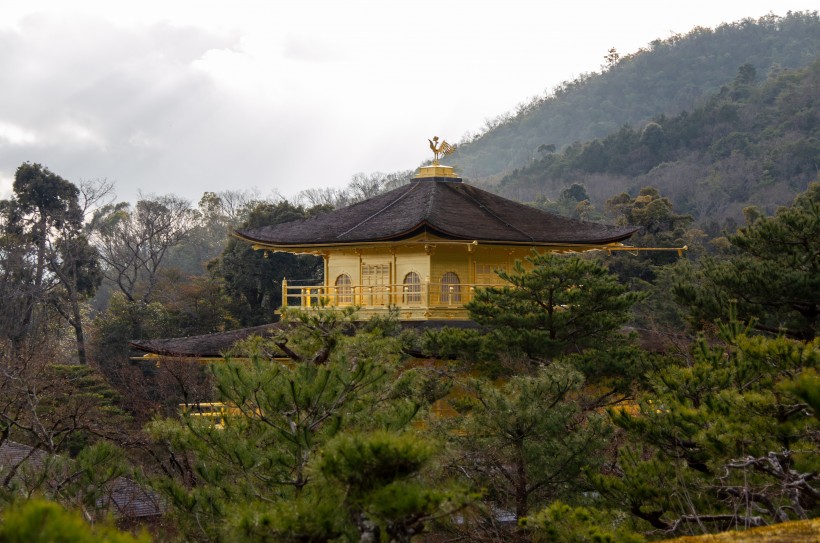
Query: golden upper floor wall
[(424, 278)]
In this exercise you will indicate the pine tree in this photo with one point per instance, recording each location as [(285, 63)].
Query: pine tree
[(527, 440), (773, 275), (723, 440), (41, 521), (562, 303), (259, 461)]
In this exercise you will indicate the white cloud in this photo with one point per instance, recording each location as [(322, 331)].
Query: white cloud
[(6, 185), (142, 140), (193, 95), (314, 49), (13, 134), (77, 134)]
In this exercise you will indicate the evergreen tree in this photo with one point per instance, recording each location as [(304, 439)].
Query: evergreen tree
[(660, 226), (772, 275), (279, 417), (526, 441), (562, 523), (723, 440), (562, 303), (46, 261), (41, 521), (253, 279)]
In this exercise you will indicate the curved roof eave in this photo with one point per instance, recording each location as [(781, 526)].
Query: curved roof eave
[(318, 246), (454, 211)]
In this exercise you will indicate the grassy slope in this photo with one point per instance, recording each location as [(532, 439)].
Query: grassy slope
[(806, 531)]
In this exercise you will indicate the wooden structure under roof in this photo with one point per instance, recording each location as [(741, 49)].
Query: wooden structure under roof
[(423, 247)]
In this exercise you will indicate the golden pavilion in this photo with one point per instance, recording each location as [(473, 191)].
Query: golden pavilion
[(423, 248)]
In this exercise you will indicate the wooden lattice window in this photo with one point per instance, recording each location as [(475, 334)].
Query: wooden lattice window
[(375, 284), (344, 289), (450, 289), (485, 274), (412, 288)]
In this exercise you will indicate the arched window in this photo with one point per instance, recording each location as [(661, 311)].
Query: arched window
[(450, 289), (344, 289), (412, 288)]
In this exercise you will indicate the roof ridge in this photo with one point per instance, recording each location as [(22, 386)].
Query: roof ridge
[(430, 203), (379, 212), (493, 215)]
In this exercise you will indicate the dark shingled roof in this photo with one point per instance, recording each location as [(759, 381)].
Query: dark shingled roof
[(14, 454), (121, 495), (204, 346), (126, 498), (213, 345), (450, 209)]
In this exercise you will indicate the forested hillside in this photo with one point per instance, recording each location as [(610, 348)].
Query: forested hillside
[(610, 396), (754, 142), (669, 76)]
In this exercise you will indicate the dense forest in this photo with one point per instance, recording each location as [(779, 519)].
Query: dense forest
[(604, 398), (755, 142), (669, 76)]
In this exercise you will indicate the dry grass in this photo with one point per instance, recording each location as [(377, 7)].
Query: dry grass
[(804, 531)]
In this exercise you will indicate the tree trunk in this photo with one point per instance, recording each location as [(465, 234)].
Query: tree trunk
[(521, 494), (77, 324)]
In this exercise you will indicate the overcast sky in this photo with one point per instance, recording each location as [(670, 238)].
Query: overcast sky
[(184, 97)]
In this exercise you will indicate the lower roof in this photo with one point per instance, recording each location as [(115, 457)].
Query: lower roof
[(217, 344), (203, 346)]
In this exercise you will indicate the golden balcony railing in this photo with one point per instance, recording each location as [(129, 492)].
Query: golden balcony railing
[(213, 412), (367, 296)]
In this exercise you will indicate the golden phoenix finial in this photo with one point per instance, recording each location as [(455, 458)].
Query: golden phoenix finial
[(440, 149)]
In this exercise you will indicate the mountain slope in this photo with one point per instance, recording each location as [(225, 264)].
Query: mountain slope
[(670, 76), (752, 143)]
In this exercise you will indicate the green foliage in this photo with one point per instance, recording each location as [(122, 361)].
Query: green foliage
[(47, 266), (279, 416), (40, 191), (754, 142), (573, 201), (393, 504), (719, 440), (40, 521), (562, 303), (365, 463), (667, 76), (772, 276), (377, 472), (305, 520), (660, 226), (195, 304), (527, 440), (125, 320), (463, 344), (649, 210), (807, 388), (253, 279), (614, 371), (562, 523)]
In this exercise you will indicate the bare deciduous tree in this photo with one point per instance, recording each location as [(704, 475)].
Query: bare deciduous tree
[(133, 242)]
